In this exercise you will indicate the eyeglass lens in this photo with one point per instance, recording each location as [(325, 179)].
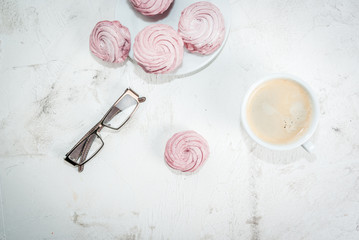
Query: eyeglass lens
[(121, 112), (88, 148)]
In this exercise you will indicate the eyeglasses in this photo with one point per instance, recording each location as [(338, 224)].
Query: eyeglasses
[(90, 144)]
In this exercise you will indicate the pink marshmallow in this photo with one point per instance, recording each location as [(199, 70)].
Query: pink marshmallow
[(186, 151), (201, 27), (158, 49), (151, 7), (110, 41)]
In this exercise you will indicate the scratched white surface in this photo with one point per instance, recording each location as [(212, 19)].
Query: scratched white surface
[(52, 91)]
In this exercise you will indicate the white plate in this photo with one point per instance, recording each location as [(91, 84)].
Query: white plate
[(135, 22)]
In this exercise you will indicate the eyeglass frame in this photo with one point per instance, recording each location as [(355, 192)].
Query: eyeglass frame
[(97, 129)]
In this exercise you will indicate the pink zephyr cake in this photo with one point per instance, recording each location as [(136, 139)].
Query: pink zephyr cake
[(158, 49), (202, 28), (151, 7), (110, 41), (186, 151)]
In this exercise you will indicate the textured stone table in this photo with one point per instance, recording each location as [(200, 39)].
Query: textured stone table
[(52, 91)]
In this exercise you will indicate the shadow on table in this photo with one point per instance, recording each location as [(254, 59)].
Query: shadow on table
[(108, 64), (276, 157)]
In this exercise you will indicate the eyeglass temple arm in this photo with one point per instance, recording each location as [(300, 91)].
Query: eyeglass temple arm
[(85, 151)]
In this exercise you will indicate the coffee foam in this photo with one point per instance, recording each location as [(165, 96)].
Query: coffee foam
[(279, 111)]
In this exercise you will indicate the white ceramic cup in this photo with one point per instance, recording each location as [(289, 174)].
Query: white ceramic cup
[(304, 140)]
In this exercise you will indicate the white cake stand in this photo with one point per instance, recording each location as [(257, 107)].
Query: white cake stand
[(135, 22)]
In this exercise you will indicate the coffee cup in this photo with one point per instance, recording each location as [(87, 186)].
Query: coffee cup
[(280, 112)]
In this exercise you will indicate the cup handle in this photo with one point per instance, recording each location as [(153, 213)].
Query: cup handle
[(308, 146)]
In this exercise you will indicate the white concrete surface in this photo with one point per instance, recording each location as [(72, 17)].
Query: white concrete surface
[(52, 91)]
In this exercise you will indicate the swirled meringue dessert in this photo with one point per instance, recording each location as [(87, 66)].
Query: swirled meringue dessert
[(158, 49), (202, 28), (151, 7), (186, 151), (110, 41)]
